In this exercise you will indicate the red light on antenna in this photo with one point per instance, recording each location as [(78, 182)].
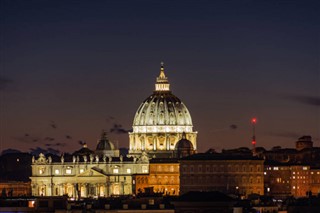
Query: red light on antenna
[(254, 120), (253, 142)]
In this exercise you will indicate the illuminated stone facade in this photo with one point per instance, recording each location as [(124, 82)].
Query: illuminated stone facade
[(228, 174), (283, 180), (15, 189), (164, 177), (160, 121), (88, 176)]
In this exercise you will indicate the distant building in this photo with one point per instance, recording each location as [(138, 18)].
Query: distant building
[(225, 173), (14, 174), (315, 180), (277, 180), (304, 142), (304, 153), (199, 202), (87, 175), (15, 189), (283, 180), (163, 177)]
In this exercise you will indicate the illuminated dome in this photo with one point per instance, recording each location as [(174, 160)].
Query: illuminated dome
[(160, 120), (162, 109)]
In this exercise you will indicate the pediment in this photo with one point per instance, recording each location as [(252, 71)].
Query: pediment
[(92, 172)]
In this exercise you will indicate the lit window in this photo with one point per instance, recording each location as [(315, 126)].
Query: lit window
[(294, 187), (312, 173), (116, 170), (293, 173), (81, 170), (265, 173), (41, 171), (305, 168), (128, 171), (275, 168), (31, 204), (57, 171), (144, 169), (68, 170)]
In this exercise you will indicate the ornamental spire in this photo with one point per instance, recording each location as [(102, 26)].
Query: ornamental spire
[(162, 83)]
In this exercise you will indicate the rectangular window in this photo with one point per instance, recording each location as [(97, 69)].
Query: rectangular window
[(116, 171), (128, 171), (57, 171), (144, 169), (68, 171), (81, 170)]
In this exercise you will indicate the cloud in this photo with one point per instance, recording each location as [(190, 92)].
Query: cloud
[(36, 151), (27, 139), (307, 100), (284, 134), (233, 126), (4, 82), (109, 119), (55, 144), (118, 129), (53, 124), (49, 139)]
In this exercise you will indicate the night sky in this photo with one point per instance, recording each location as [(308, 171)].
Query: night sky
[(70, 69)]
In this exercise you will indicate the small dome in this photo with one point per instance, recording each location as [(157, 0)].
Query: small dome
[(83, 151), (184, 144), (183, 147), (104, 144)]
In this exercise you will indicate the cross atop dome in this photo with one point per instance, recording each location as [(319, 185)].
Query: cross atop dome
[(162, 83)]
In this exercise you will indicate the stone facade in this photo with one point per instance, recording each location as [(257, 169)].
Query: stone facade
[(227, 174), (283, 180), (87, 177), (164, 177)]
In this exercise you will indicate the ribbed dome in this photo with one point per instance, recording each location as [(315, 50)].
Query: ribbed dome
[(160, 121), (162, 109), (104, 144)]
